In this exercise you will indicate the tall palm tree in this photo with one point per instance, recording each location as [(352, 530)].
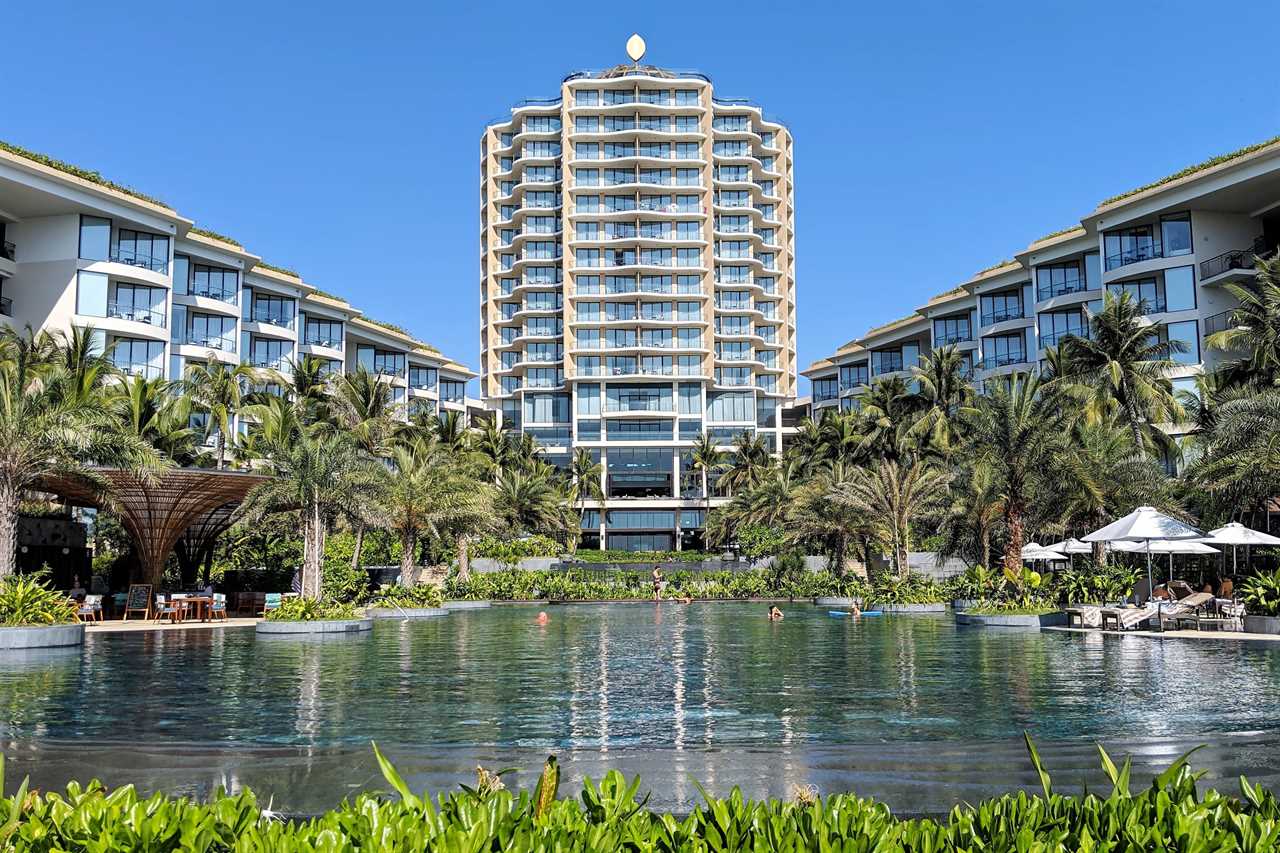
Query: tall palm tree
[(1122, 366), (494, 445), (973, 514), (815, 520), (428, 493), (944, 391), (528, 501), (706, 458), (585, 473), (749, 463), (152, 410), (894, 498), (307, 386), (1255, 327), (214, 390), (318, 476), (884, 414), (362, 406), (1239, 457), (1016, 433), (449, 428), (50, 427)]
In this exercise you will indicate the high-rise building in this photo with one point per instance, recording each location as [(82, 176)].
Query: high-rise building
[(638, 286), (160, 293)]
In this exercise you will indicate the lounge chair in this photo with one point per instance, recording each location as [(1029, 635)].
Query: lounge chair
[(270, 602), (90, 610), (1185, 609), (1084, 616), (1128, 618)]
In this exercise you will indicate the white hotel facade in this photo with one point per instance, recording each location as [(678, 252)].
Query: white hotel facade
[(1173, 245), (161, 294), (638, 286)]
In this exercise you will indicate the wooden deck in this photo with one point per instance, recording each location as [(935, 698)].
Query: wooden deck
[(117, 626)]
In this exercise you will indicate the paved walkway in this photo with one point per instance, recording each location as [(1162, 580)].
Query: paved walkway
[(1180, 634), (116, 626)]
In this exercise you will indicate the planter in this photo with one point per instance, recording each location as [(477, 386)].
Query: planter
[(320, 626), (1011, 620), (834, 601), (42, 636), (467, 605), (1262, 624), (406, 612), (939, 607), (964, 603)]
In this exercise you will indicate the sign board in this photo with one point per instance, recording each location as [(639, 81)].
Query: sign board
[(139, 599)]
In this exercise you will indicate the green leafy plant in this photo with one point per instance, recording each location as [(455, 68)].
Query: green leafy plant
[(25, 600), (423, 595), (913, 589), (1261, 594), (311, 610)]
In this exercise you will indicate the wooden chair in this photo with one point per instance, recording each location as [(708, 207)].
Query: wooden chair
[(270, 602), (218, 610), (90, 610), (171, 608)]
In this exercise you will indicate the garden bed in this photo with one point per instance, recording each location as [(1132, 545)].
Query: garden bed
[(41, 636), (406, 612), (282, 627), (1262, 624), (933, 607), (1011, 620), (835, 601), (466, 605)]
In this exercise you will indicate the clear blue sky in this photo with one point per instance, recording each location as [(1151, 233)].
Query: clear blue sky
[(341, 139)]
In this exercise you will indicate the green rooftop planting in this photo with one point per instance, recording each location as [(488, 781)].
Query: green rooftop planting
[(995, 266), (76, 171), (1167, 814), (1057, 233), (1191, 170), (282, 270), (327, 295), (214, 235)]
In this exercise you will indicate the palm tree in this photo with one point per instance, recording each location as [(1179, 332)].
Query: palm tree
[(814, 519), (1239, 459), (428, 493), (944, 392), (1122, 366), (318, 475), (361, 405), (50, 426), (450, 429), (884, 414), (1016, 432), (1255, 327), (585, 473), (494, 445), (894, 497), (706, 458), (749, 463), (971, 519), (528, 501), (153, 411), (307, 386), (214, 390)]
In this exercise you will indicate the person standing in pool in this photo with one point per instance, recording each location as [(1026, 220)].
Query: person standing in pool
[(658, 583)]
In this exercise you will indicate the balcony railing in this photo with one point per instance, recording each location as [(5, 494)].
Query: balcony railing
[(222, 295), (1236, 259), (273, 319), (147, 371), (952, 338), (1137, 254), (6, 306), (1054, 338), (993, 317), (135, 259), (9, 251), (1001, 360), (137, 314), (316, 341), (218, 344), (1219, 322), (1061, 288)]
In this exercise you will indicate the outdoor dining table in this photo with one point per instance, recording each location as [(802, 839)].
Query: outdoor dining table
[(202, 605)]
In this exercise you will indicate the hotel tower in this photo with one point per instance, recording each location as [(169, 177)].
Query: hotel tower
[(637, 286)]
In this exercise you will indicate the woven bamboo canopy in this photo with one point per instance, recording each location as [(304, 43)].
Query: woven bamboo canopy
[(160, 509)]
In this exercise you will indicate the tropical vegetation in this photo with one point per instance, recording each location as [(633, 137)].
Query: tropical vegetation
[(1172, 812)]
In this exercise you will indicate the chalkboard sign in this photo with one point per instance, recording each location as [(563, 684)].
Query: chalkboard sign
[(139, 600)]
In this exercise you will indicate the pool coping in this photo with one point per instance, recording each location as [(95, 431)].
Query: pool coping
[(1181, 634)]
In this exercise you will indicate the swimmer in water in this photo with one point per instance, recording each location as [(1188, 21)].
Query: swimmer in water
[(543, 618), (684, 599), (775, 615)]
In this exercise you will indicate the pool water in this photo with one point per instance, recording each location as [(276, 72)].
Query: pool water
[(908, 708)]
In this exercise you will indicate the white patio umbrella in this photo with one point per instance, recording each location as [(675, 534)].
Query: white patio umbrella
[(1177, 546), (1071, 546), (1146, 525), (1235, 533), (1035, 552)]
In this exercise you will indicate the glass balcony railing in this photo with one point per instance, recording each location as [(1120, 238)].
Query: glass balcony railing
[(1135, 254), (220, 294), (992, 317), (273, 319), (952, 338), (138, 314), (147, 371), (321, 341), (1060, 288), (137, 259), (1053, 339), (6, 306), (991, 362)]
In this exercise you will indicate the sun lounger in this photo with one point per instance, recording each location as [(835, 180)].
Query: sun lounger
[(1084, 616), (1128, 618), (1186, 609)]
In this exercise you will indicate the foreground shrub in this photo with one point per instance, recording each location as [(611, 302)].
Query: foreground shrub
[(587, 585), (25, 600), (310, 610), (1261, 594), (914, 589), (1169, 814), (423, 595)]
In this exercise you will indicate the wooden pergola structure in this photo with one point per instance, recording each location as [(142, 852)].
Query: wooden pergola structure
[(160, 509)]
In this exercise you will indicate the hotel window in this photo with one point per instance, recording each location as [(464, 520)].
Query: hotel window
[(543, 377), (656, 365), (619, 284), (852, 375), (1056, 326), (620, 365), (587, 284), (509, 334), (509, 359), (587, 177), (541, 225), (141, 249), (688, 365), (509, 384), (687, 284), (587, 257), (587, 204), (689, 338), (647, 430), (1175, 233), (686, 97), (766, 139), (615, 311), (655, 284), (619, 338), (619, 203), (613, 124), (453, 390), (218, 333), (618, 150), (690, 430), (616, 177), (586, 230), (586, 150), (688, 178), (589, 338), (688, 257), (1180, 289), (688, 151), (588, 312), (768, 384), (886, 361), (586, 98), (1133, 245), (1187, 332), (657, 338), (589, 365), (273, 310), (424, 377), (638, 398), (546, 408), (91, 294), (542, 200), (586, 124), (95, 238), (1003, 350), (269, 353), (1056, 279), (733, 377), (1146, 293), (138, 358), (951, 330), (588, 399), (589, 431), (660, 123), (686, 124), (542, 275), (999, 307), (139, 303)]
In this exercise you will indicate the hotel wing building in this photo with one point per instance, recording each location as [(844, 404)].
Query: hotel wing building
[(638, 285), (1173, 245), (161, 293)]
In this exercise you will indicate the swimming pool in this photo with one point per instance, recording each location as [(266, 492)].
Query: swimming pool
[(908, 708)]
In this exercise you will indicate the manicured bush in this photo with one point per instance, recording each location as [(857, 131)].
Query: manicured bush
[(914, 589), (1169, 814), (423, 595), (310, 610), (509, 552), (26, 601), (599, 585)]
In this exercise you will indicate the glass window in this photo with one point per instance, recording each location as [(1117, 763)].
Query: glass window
[(454, 390), (1187, 332), (1132, 245), (325, 333), (142, 249), (950, 330), (588, 398), (1057, 279), (589, 430), (91, 294), (1179, 289), (1175, 233), (734, 406), (95, 238)]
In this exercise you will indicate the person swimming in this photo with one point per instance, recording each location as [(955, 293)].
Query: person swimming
[(543, 618), (775, 615)]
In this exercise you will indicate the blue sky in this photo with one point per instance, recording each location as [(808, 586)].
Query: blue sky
[(341, 140)]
